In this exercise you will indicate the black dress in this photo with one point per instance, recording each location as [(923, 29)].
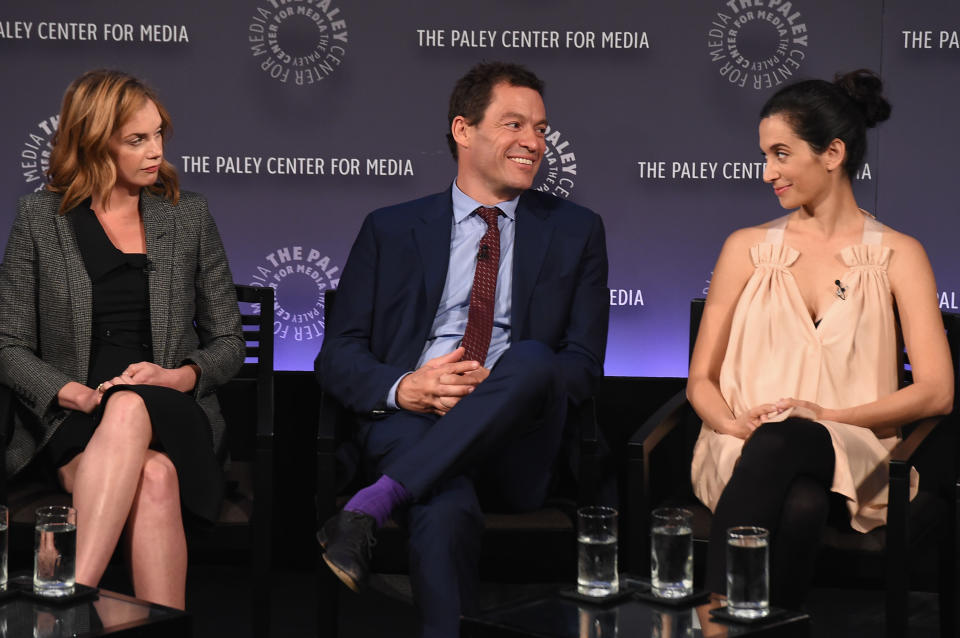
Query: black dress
[(120, 336)]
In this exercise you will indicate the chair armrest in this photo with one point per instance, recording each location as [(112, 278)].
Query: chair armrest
[(639, 448), (902, 458), (658, 425), (905, 450)]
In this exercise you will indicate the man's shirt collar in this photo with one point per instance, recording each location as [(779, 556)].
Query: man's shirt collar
[(463, 205)]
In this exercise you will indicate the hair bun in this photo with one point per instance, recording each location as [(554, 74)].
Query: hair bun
[(865, 88)]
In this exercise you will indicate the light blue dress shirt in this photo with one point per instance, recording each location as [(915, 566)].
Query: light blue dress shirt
[(451, 320)]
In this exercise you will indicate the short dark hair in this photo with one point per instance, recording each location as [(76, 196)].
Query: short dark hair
[(472, 93), (820, 112)]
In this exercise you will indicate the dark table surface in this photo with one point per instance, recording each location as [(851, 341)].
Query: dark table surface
[(553, 616), (104, 614)]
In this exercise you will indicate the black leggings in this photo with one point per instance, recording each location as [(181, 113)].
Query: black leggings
[(781, 482)]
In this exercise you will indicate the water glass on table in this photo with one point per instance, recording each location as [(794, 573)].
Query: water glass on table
[(748, 572), (55, 551), (597, 551), (671, 552)]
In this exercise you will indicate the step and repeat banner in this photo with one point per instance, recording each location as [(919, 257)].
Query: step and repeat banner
[(297, 117)]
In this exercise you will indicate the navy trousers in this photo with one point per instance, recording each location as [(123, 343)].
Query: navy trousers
[(501, 440)]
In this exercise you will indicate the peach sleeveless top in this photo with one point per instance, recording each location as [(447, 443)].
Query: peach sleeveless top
[(776, 351)]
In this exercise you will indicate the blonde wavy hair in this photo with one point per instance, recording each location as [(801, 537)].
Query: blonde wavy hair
[(95, 105)]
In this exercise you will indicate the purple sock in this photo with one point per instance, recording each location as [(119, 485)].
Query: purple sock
[(379, 499)]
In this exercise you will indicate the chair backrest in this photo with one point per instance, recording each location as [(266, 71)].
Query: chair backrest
[(329, 297), (250, 392), (691, 425), (248, 508), (696, 314), (951, 323)]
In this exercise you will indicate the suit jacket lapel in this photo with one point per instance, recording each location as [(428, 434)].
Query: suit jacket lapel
[(158, 228), (81, 293), (533, 235), (432, 236)]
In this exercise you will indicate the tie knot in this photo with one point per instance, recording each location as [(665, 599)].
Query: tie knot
[(489, 215)]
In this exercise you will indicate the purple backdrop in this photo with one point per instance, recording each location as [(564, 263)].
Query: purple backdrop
[(296, 118)]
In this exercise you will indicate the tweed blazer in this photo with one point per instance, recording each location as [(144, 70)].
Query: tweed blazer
[(46, 310)]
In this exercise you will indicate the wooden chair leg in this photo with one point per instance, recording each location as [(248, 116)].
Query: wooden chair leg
[(949, 599), (898, 576), (262, 540), (638, 533)]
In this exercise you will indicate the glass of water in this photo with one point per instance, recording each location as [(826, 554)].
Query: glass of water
[(748, 572), (597, 551), (671, 552), (55, 551)]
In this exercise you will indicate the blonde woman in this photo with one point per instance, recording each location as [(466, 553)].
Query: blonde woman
[(118, 320)]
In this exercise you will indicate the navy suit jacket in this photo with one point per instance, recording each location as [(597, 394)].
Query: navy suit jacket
[(391, 286)]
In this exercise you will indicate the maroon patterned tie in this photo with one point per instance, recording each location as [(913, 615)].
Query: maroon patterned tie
[(476, 338)]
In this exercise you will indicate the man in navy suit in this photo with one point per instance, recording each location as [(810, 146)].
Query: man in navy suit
[(438, 427)]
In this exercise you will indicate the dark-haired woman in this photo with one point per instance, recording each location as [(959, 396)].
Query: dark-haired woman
[(118, 319), (794, 369)]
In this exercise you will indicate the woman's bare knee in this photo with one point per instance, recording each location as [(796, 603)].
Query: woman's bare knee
[(159, 483), (125, 416), (124, 402)]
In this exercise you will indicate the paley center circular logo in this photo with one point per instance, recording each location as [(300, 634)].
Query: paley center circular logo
[(558, 168), (35, 153), (299, 276), (298, 41), (757, 44)]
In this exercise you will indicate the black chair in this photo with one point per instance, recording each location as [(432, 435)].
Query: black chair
[(515, 546), (244, 527), (659, 458)]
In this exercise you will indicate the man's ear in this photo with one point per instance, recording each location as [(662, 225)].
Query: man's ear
[(461, 131)]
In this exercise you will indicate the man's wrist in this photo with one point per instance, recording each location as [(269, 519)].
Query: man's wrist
[(393, 394)]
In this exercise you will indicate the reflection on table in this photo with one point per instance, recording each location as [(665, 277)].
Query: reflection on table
[(560, 617), (106, 613)]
